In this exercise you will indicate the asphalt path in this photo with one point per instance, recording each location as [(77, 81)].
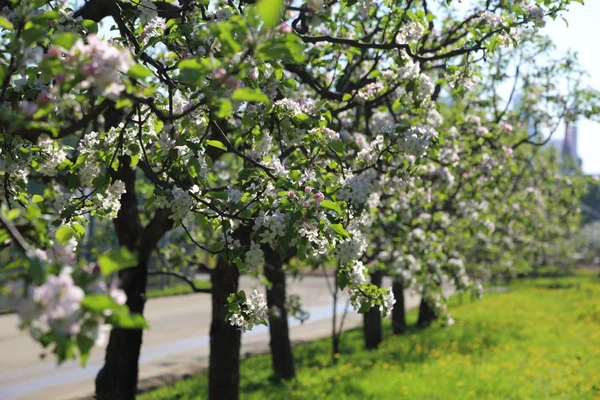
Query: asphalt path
[(176, 345)]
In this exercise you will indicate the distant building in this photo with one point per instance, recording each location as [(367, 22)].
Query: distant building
[(567, 147)]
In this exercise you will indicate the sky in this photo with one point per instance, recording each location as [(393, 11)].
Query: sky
[(582, 35)]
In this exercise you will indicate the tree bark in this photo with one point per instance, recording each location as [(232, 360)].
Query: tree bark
[(225, 339), (372, 319), (282, 358), (426, 314), (335, 334), (117, 380), (399, 310)]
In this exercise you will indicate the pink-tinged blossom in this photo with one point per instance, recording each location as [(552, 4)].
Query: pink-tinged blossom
[(219, 74), (29, 108), (54, 305), (118, 295), (285, 28), (102, 65), (536, 12), (491, 19), (409, 32), (53, 52), (505, 126), (44, 98)]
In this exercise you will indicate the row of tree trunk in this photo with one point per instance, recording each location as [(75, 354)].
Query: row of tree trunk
[(118, 377)]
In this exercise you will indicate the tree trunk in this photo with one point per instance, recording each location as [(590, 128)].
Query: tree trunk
[(225, 339), (335, 336), (426, 314), (399, 310), (372, 319), (282, 357), (117, 380)]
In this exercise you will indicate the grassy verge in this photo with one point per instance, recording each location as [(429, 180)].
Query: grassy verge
[(540, 341), (178, 289)]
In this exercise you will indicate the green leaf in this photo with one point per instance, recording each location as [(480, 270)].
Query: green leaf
[(79, 230), (66, 40), (100, 302), (217, 144), (45, 17), (193, 167), (90, 25), (269, 11), (122, 103), (331, 205), (249, 94), (225, 108), (116, 260), (64, 234), (282, 48), (13, 214), (85, 344), (343, 281), (364, 307), (138, 71), (6, 24), (127, 321), (339, 229), (36, 198), (37, 270), (192, 72)]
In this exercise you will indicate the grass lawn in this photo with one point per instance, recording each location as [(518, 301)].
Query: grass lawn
[(178, 289), (539, 341)]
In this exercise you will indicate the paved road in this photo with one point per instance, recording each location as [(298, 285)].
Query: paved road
[(175, 345)]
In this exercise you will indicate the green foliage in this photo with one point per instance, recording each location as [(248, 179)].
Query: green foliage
[(116, 260), (269, 11), (64, 234)]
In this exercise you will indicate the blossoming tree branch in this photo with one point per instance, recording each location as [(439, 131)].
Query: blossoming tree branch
[(262, 132)]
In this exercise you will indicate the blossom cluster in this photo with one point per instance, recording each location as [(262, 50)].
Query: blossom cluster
[(55, 306), (251, 311)]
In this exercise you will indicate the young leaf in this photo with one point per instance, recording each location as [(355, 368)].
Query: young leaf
[(116, 260), (64, 234), (66, 40), (37, 270), (127, 321), (100, 302), (269, 11), (138, 71), (249, 94), (217, 144), (331, 205), (339, 229), (6, 24)]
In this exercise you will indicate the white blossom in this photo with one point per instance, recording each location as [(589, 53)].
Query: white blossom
[(254, 257), (357, 274)]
